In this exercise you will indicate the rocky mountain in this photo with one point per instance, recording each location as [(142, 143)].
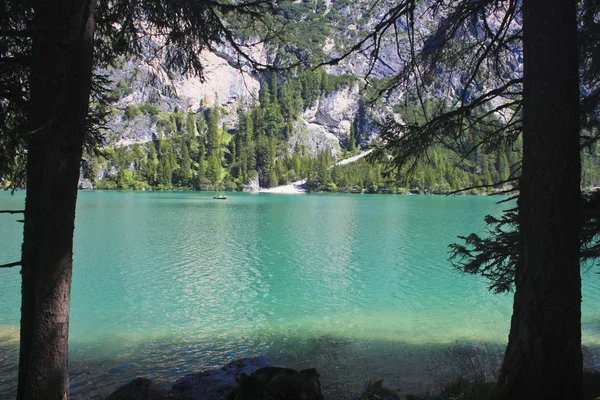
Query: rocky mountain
[(251, 126), (325, 124), (138, 82), (323, 27)]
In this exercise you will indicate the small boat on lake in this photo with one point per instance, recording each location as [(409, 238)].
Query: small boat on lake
[(219, 197)]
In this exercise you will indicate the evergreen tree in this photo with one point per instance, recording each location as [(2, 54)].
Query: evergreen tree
[(503, 166), (201, 127), (124, 179), (150, 171), (213, 134), (213, 169), (274, 88), (297, 166), (185, 166), (291, 100), (273, 121), (164, 173), (202, 164), (264, 95), (265, 155), (190, 124)]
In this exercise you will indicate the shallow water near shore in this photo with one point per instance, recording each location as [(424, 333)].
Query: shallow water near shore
[(358, 286)]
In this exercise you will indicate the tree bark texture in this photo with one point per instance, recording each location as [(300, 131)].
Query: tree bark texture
[(543, 359), (60, 90)]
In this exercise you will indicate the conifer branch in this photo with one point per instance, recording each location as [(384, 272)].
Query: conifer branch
[(488, 186), (12, 211), (10, 265)]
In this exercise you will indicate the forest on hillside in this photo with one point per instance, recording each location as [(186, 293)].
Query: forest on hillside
[(195, 151)]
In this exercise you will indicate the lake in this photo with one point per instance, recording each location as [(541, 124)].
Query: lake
[(358, 286)]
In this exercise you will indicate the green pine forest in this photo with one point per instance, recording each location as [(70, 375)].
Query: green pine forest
[(194, 151)]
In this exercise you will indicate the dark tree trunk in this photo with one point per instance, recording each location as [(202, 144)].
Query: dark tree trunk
[(60, 88), (543, 359)]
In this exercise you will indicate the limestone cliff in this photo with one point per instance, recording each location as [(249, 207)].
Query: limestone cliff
[(141, 82), (324, 123), (328, 122)]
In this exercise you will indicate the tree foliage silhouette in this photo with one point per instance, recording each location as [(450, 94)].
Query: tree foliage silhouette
[(48, 52), (471, 59)]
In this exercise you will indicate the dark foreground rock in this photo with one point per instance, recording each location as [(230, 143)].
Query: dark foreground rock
[(277, 383), (216, 384), (591, 386), (139, 389), (245, 379)]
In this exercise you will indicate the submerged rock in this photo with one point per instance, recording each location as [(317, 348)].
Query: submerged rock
[(217, 384), (139, 389), (278, 383)]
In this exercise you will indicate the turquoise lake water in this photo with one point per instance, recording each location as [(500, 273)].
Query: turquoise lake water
[(358, 286)]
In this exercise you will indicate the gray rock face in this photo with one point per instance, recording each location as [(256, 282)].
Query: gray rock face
[(328, 122), (140, 130), (325, 124), (252, 185), (336, 111), (217, 384), (85, 184), (314, 137), (224, 85), (146, 82)]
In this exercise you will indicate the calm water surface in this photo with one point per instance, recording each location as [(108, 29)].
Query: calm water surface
[(358, 286)]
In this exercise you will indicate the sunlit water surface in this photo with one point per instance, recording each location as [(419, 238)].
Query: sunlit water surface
[(358, 286)]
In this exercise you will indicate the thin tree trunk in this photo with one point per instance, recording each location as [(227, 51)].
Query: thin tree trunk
[(543, 358), (60, 88)]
